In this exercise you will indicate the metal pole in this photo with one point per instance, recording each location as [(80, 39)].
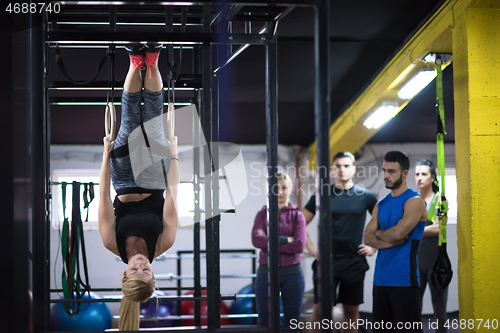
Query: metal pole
[(215, 225), (14, 177), (254, 270), (196, 188), (179, 281), (207, 129), (38, 163), (272, 161), (322, 124)]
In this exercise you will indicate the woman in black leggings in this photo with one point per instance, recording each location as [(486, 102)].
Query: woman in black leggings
[(425, 175), (141, 223)]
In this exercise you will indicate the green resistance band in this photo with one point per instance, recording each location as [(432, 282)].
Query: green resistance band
[(443, 204), (69, 250)]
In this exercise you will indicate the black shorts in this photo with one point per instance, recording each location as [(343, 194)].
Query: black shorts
[(350, 292), (399, 306)]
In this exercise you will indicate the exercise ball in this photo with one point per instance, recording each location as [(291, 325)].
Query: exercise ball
[(161, 308), (244, 305), (92, 316), (188, 309)]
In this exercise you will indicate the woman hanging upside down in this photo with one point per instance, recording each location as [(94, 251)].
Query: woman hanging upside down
[(140, 224)]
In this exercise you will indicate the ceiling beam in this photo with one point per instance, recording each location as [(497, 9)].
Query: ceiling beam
[(348, 133)]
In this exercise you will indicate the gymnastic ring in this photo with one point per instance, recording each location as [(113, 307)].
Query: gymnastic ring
[(110, 121), (171, 119)]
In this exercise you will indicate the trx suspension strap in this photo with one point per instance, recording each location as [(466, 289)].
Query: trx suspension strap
[(441, 273), (60, 62), (88, 196), (110, 113), (62, 68), (71, 237)]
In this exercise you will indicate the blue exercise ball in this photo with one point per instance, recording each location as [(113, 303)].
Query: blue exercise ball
[(159, 309), (92, 316), (245, 306)]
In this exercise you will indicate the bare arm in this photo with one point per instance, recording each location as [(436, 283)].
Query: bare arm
[(106, 216), (432, 230), (313, 250), (414, 211), (372, 227), (170, 216)]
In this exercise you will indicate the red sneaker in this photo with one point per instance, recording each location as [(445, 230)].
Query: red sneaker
[(136, 53), (152, 53)]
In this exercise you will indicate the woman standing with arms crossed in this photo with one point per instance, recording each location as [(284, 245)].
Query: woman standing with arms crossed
[(292, 226)]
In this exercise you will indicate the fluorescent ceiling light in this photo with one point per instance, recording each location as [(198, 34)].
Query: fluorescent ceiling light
[(381, 115), (431, 57), (417, 83)]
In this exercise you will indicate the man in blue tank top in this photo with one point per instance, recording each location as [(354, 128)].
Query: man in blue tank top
[(396, 229)]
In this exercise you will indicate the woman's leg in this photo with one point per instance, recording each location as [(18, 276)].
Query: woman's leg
[(261, 299), (153, 81), (121, 168), (292, 295), (133, 80)]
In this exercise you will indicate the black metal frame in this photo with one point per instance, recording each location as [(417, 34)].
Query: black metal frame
[(197, 278), (32, 117)]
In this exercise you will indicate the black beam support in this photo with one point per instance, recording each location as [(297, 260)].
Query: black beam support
[(39, 148), (24, 155), (102, 100), (322, 124), (214, 181), (303, 3), (179, 281), (208, 168), (14, 178), (163, 37), (272, 200), (184, 81), (196, 189)]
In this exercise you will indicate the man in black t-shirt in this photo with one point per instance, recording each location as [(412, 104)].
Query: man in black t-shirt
[(348, 205)]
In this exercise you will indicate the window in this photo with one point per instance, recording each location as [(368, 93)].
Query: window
[(82, 176), (450, 183), (185, 203)]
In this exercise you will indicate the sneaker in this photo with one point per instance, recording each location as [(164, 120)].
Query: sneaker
[(153, 47), (152, 53), (136, 54), (135, 48)]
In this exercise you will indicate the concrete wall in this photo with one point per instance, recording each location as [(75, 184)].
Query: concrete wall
[(106, 271)]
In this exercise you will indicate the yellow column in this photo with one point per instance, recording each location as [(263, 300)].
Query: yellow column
[(476, 66)]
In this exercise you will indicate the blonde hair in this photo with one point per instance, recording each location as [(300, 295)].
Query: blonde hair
[(134, 292), (284, 176)]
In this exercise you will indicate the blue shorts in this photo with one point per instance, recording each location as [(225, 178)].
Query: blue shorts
[(142, 136)]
